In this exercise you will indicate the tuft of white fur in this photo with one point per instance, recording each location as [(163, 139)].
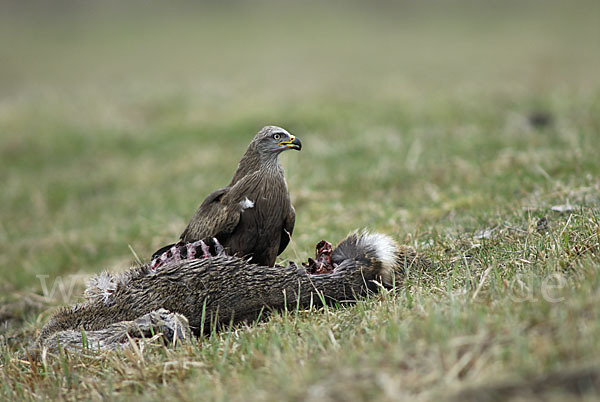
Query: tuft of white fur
[(246, 203), (386, 251), (101, 287)]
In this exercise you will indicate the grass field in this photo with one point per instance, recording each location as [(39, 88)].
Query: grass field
[(469, 130)]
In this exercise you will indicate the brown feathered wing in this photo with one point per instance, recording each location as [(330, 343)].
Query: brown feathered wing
[(288, 229), (213, 218), (261, 229)]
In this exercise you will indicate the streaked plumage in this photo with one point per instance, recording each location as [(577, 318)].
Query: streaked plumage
[(253, 216)]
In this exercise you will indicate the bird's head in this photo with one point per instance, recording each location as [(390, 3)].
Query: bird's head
[(264, 150), (272, 140)]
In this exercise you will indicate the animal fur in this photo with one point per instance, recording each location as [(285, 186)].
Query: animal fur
[(224, 290)]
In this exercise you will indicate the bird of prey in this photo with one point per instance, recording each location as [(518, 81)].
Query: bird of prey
[(253, 216)]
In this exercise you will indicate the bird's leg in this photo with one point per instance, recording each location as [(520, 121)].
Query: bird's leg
[(219, 249)]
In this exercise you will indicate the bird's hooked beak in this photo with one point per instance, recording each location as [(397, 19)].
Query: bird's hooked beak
[(292, 143)]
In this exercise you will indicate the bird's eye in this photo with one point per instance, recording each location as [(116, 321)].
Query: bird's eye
[(276, 136)]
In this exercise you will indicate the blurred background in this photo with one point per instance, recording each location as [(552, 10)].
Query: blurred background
[(117, 119), (215, 56)]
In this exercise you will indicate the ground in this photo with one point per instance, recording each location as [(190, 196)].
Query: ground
[(469, 131)]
